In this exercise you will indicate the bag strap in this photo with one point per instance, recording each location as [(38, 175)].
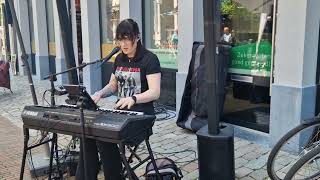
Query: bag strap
[(197, 57), (179, 173), (174, 166)]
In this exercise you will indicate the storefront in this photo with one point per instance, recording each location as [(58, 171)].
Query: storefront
[(161, 36), (159, 28), (248, 89), (271, 83)]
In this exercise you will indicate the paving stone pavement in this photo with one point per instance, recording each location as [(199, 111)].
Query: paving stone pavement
[(167, 140), (11, 144)]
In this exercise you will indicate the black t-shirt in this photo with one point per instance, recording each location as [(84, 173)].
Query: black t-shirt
[(131, 75)]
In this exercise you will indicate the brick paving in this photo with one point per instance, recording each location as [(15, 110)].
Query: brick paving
[(11, 145), (250, 157)]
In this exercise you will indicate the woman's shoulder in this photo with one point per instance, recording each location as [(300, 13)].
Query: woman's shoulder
[(152, 62), (119, 57), (150, 55)]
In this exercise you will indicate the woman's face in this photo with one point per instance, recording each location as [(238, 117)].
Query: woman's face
[(128, 47)]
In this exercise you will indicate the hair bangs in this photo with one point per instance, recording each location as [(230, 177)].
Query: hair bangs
[(127, 29)]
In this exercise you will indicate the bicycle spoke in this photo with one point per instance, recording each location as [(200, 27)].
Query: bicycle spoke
[(310, 170), (297, 143)]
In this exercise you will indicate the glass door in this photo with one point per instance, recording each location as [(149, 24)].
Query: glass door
[(249, 23)]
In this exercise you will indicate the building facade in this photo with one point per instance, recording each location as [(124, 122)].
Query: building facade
[(273, 74)]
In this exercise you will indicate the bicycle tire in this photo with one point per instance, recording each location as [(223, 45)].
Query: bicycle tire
[(275, 150), (301, 162)]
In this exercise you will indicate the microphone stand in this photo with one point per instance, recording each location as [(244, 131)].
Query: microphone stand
[(80, 104), (83, 136), (81, 66), (54, 145)]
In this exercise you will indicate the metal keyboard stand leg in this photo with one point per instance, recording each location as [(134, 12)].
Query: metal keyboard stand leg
[(51, 155), (153, 161), (54, 148), (133, 154), (130, 170), (55, 142), (26, 149), (130, 173)]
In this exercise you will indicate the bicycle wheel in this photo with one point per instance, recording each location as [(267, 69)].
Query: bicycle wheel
[(293, 145), (307, 167)]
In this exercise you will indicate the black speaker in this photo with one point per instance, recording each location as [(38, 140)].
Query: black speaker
[(216, 154)]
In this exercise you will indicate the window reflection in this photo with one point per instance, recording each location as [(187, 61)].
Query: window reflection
[(50, 27), (161, 30), (247, 97), (109, 20), (250, 24)]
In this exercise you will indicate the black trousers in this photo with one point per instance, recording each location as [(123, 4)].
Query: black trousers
[(110, 158)]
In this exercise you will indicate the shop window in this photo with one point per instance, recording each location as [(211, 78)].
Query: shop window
[(109, 20), (247, 98), (50, 28), (250, 23), (161, 30)]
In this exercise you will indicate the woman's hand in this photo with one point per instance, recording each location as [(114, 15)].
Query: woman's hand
[(125, 102), (96, 97), (107, 91)]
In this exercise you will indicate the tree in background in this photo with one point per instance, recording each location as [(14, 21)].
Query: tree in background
[(228, 8)]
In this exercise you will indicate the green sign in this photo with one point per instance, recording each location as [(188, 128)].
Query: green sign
[(167, 57), (246, 60)]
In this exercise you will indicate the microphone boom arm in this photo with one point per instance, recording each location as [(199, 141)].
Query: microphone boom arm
[(81, 66)]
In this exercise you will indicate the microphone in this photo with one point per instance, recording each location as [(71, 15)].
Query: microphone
[(60, 91), (113, 52)]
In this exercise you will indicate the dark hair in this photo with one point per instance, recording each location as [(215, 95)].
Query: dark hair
[(127, 28)]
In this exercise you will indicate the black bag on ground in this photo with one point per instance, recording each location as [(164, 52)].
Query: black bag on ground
[(167, 168), (193, 109), (193, 113), (199, 84)]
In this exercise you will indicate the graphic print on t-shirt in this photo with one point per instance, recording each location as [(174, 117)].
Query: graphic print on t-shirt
[(129, 82)]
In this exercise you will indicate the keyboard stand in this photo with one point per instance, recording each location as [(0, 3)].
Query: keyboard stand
[(26, 148), (54, 139), (130, 170), (122, 140), (54, 148)]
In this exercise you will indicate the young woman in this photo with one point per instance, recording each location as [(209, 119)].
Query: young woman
[(134, 64)]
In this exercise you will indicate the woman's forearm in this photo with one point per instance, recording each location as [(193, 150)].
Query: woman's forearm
[(153, 93), (147, 96), (107, 91)]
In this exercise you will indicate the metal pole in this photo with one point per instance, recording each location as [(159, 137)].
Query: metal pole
[(66, 34), (215, 143), (83, 142), (24, 56), (211, 14)]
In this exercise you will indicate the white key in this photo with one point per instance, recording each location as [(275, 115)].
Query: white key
[(122, 111)]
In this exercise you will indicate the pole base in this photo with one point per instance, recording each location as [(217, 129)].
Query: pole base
[(216, 154)]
